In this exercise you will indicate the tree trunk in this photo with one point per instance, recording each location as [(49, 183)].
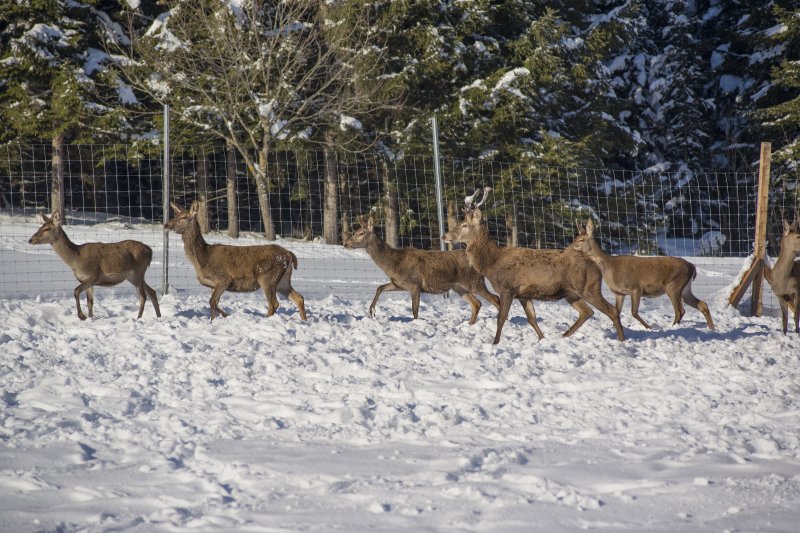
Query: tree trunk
[(202, 193), (511, 227), (263, 196), (452, 219), (330, 210), (57, 191), (233, 207), (390, 216)]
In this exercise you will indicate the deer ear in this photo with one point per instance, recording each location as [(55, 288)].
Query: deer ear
[(56, 218), (787, 228), (195, 208), (175, 208), (44, 217), (370, 223), (477, 216), (589, 227)]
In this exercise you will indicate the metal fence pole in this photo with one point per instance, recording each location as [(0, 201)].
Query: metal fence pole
[(438, 175), (165, 202)]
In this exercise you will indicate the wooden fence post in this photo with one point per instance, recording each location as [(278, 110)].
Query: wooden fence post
[(756, 272)]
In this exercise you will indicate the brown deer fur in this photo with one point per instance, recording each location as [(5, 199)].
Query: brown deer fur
[(644, 277), (525, 275), (99, 264), (236, 268), (419, 271), (786, 274)]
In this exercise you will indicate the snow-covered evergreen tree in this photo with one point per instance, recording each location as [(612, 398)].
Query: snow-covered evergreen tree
[(52, 76)]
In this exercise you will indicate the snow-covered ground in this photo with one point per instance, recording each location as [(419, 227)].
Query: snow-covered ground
[(349, 423)]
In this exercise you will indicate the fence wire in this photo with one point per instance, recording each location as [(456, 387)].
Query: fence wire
[(114, 192)]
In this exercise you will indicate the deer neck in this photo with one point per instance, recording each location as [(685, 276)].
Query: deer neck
[(482, 252), (67, 250), (598, 255), (784, 263), (380, 252), (195, 245)]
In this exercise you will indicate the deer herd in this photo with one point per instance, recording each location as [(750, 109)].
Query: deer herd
[(574, 274)]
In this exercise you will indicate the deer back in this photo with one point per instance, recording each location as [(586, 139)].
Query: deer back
[(111, 260), (246, 262)]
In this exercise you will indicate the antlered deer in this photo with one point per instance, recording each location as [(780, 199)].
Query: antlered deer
[(236, 268), (644, 276), (786, 274), (418, 271), (525, 274), (99, 264)]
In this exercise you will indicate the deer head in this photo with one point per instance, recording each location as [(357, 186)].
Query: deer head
[(790, 241), (470, 228), (48, 233), (360, 238), (182, 219), (583, 241)]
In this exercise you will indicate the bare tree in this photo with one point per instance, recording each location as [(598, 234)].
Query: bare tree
[(258, 72)]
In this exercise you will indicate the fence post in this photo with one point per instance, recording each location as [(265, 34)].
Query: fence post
[(761, 224), (755, 274), (165, 201), (438, 175)]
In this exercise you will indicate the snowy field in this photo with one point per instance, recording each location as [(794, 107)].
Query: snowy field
[(348, 423)]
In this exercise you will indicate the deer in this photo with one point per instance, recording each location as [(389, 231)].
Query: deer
[(786, 273), (525, 274), (647, 277), (97, 264), (421, 271), (224, 267)]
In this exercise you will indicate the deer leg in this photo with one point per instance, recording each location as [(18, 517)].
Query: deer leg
[(286, 290), (270, 292), (584, 312), (214, 301), (491, 298), (142, 298), (635, 297), (387, 287), (797, 313), (505, 304), (607, 309), (90, 300), (527, 305), (298, 300), (784, 312), (677, 305), (77, 292), (693, 301), (151, 293), (474, 303), (620, 300), (415, 302)]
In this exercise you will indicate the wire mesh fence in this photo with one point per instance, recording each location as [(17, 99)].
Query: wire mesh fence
[(114, 192)]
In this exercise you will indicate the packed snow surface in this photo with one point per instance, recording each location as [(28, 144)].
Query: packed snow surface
[(351, 423)]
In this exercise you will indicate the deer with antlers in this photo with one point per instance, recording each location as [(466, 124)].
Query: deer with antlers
[(99, 264), (418, 271), (525, 274), (786, 274)]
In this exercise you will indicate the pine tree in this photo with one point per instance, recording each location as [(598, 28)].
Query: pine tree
[(782, 119), (54, 86)]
